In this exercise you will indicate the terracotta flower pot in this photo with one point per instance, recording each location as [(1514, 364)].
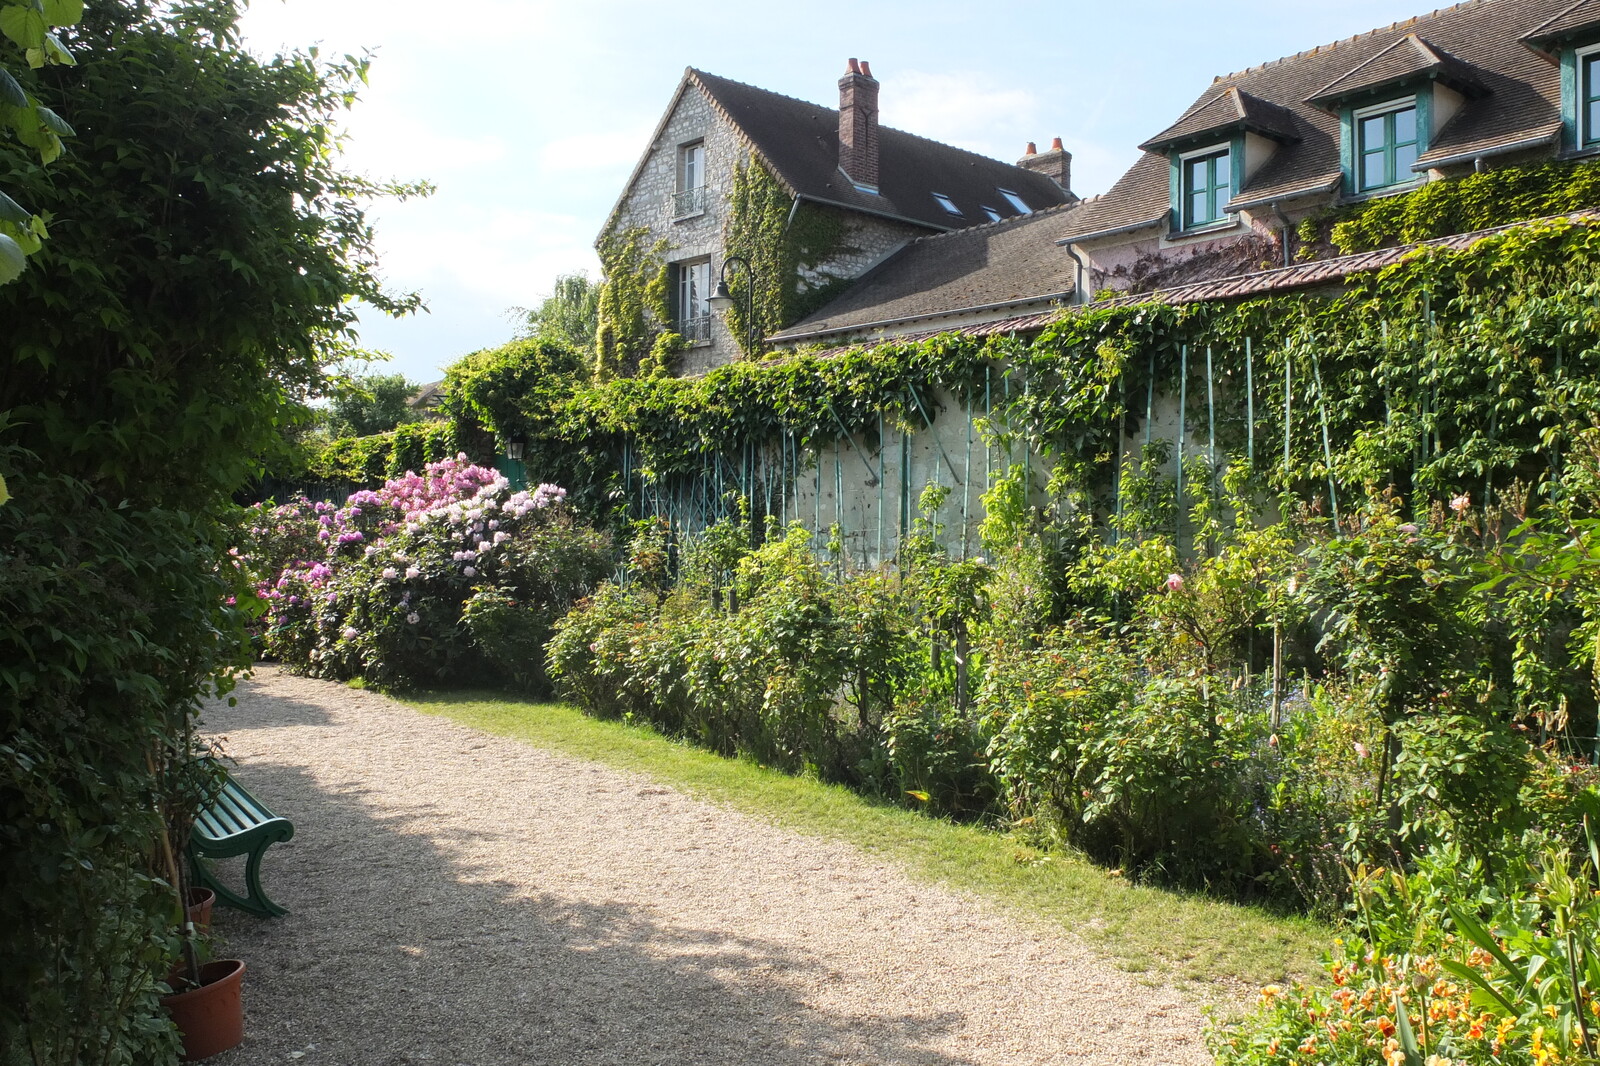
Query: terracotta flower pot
[(211, 1017), (199, 908)]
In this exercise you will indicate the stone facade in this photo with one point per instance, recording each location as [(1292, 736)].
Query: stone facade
[(699, 234)]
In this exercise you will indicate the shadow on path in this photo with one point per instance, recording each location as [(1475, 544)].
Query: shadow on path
[(394, 952)]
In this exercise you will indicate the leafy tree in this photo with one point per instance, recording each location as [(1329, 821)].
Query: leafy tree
[(372, 403), (569, 315), (27, 24), (205, 261)]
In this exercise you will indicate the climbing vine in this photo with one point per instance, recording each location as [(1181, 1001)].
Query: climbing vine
[(634, 301), (1457, 205), (1451, 371), (786, 245)]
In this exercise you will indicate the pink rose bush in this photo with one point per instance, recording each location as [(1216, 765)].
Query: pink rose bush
[(387, 586)]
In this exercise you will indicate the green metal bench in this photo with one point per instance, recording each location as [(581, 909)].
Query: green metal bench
[(236, 823)]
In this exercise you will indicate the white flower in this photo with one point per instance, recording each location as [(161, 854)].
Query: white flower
[(412, 572), (413, 618), (390, 573), (470, 571), (501, 536)]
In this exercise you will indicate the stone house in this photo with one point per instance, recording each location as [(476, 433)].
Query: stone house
[(1211, 208), (809, 196), (1219, 192)]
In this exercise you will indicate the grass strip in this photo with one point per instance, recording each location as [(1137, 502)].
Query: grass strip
[(1171, 935)]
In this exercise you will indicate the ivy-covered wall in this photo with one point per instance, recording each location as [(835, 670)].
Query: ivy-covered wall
[(1452, 372)]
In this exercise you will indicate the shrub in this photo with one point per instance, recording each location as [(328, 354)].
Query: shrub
[(1446, 964), (436, 578)]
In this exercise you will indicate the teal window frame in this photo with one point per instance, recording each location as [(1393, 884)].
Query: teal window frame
[(1586, 93), (1183, 219), (1394, 175)]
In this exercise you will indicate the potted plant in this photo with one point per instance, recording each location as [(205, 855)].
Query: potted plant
[(206, 1003)]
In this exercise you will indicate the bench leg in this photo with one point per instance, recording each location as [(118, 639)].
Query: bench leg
[(256, 902)]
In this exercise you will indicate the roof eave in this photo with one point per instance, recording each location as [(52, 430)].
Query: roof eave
[(1425, 163), (904, 319), (1334, 102), (1323, 186), (1114, 231)]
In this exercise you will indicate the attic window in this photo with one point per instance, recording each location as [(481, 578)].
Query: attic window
[(1589, 97), (947, 203), (1387, 143), (1016, 201), (994, 216)]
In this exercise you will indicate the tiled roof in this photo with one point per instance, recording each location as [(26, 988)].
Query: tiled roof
[(1408, 58), (1580, 17), (800, 141), (1259, 283), (1016, 324), (985, 267), (1230, 109), (1521, 100)]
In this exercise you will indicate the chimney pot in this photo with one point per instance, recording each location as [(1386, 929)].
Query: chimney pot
[(1056, 164), (855, 68), (866, 69)]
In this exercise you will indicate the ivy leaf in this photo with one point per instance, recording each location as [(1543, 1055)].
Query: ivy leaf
[(56, 52), (63, 12), (11, 211), (24, 25), (11, 90), (12, 261), (55, 123)]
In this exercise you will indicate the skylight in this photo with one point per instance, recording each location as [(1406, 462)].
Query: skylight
[(947, 203), (994, 216), (1016, 201)]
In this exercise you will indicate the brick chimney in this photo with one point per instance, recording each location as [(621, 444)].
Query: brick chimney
[(858, 125), (1057, 163)]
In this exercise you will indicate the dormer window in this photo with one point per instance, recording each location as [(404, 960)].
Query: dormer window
[(1387, 143), (1207, 176), (1572, 38), (1588, 97)]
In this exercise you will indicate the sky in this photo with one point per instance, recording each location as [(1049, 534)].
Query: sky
[(529, 117)]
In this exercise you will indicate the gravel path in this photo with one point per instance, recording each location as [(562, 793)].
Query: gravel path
[(459, 898)]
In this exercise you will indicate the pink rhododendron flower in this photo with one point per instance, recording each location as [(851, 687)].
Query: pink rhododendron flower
[(1361, 750), (412, 572), (1174, 582), (1460, 503), (390, 573), (351, 633), (470, 571)]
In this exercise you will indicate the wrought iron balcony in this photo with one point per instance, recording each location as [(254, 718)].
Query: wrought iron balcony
[(696, 330), (687, 202)]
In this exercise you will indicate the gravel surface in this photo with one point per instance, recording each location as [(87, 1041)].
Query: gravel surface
[(460, 898)]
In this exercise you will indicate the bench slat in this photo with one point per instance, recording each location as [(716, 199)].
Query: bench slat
[(228, 806), (235, 823)]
